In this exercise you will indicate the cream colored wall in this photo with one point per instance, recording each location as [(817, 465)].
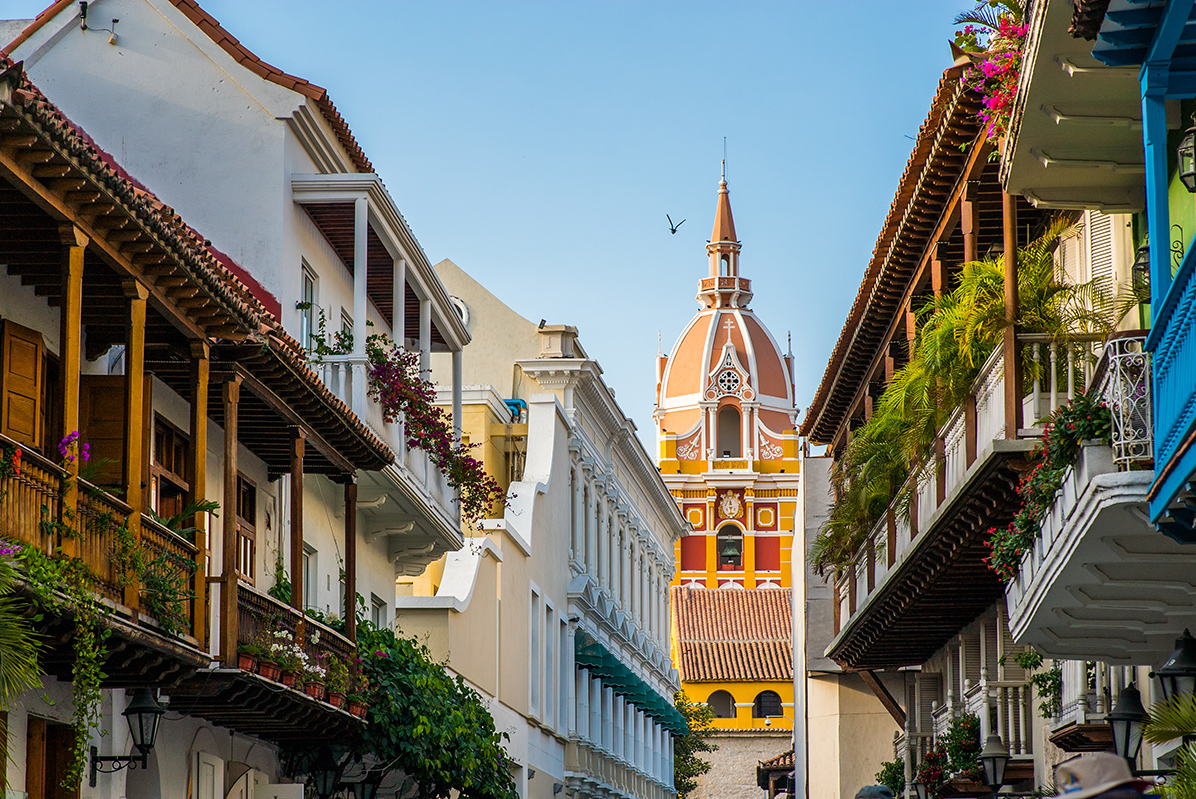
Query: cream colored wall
[(489, 359), (850, 735)]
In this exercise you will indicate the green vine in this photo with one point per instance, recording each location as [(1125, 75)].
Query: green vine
[(1047, 684), (892, 776)]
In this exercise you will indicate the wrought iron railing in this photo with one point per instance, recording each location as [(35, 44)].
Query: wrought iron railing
[(1123, 381)]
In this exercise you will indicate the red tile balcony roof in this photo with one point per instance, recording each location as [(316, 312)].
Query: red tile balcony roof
[(734, 635)]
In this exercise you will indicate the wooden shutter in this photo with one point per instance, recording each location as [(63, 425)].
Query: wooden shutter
[(35, 758), (1100, 251), (102, 424), (21, 384), (60, 746)]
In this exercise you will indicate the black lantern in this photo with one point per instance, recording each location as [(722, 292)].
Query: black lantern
[(1185, 158), (1125, 720), (1140, 271), (143, 715), (325, 773), (367, 788), (919, 790), (994, 757), (1178, 675)]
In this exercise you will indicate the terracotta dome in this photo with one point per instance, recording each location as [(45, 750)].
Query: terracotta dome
[(725, 355)]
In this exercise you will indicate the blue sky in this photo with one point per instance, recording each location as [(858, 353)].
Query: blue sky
[(539, 145)]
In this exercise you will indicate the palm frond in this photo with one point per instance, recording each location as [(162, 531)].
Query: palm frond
[(1171, 719)]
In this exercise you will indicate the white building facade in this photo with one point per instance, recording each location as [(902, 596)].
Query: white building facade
[(558, 610)]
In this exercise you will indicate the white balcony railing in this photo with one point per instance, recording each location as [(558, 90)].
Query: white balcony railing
[(1124, 383), (345, 376), (1004, 709), (1088, 691)]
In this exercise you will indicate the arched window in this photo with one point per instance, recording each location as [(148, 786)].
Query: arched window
[(722, 705), (724, 266), (768, 703), (728, 432), (729, 547)]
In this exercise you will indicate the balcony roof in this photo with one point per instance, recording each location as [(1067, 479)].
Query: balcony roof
[(1076, 139)]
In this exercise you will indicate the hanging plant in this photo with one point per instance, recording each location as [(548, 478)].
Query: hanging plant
[(1084, 418), (396, 385), (994, 36)]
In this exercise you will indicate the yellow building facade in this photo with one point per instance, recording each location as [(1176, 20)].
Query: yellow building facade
[(728, 451)]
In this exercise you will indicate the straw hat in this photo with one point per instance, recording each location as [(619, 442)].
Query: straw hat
[(1095, 773)]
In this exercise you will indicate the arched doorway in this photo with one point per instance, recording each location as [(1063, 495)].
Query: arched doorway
[(729, 443)]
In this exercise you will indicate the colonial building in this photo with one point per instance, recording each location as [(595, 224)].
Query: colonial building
[(556, 610), (190, 370), (726, 426)]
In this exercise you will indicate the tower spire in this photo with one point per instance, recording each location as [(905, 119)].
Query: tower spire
[(724, 287)]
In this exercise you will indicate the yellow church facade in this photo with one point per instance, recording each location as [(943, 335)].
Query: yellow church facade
[(728, 451)]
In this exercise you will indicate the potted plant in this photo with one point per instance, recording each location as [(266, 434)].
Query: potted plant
[(337, 681), (287, 654), (356, 698), (248, 655), (314, 676)]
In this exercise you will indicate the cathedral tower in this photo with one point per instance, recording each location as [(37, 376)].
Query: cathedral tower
[(728, 451)]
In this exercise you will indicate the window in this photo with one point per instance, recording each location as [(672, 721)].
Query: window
[(246, 529), (534, 653), (728, 432), (549, 667), (722, 705), (768, 703), (344, 340), (307, 307), (729, 547), (310, 576), (378, 612), (168, 485)]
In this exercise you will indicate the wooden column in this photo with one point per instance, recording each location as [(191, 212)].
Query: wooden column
[(228, 577), (968, 219), (298, 442), (351, 558), (938, 269), (135, 421), (70, 336), (1013, 371), (197, 474)]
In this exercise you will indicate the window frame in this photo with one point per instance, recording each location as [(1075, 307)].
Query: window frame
[(160, 470)]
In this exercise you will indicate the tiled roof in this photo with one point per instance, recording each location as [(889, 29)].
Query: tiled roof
[(734, 635), (193, 252), (782, 761), (902, 238), (246, 58)]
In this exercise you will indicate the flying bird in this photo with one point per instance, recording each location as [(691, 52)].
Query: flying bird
[(672, 227)]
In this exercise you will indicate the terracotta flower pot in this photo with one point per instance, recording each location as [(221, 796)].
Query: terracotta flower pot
[(314, 688), (357, 708), (336, 698), (289, 678), (269, 670), (246, 662)]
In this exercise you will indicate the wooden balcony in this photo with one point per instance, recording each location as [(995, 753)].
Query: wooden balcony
[(1172, 342), (33, 513), (251, 704)]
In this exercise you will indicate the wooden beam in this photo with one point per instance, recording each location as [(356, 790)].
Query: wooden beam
[(1013, 372), (197, 474), (229, 620), (878, 688), (135, 422), (70, 337), (297, 448)]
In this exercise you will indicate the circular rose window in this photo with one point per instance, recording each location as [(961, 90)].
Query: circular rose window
[(728, 381)]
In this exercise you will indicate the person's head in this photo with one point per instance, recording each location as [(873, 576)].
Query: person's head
[(1101, 774), (874, 792)]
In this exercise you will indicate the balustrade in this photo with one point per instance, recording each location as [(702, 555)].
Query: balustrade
[(259, 614)]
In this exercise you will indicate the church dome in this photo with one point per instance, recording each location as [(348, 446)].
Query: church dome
[(725, 356)]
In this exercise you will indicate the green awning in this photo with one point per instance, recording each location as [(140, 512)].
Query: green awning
[(594, 657)]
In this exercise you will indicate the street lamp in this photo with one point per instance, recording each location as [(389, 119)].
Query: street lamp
[(367, 788), (326, 773), (1125, 721), (994, 757), (143, 715), (1140, 270), (1185, 158), (1178, 675)]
